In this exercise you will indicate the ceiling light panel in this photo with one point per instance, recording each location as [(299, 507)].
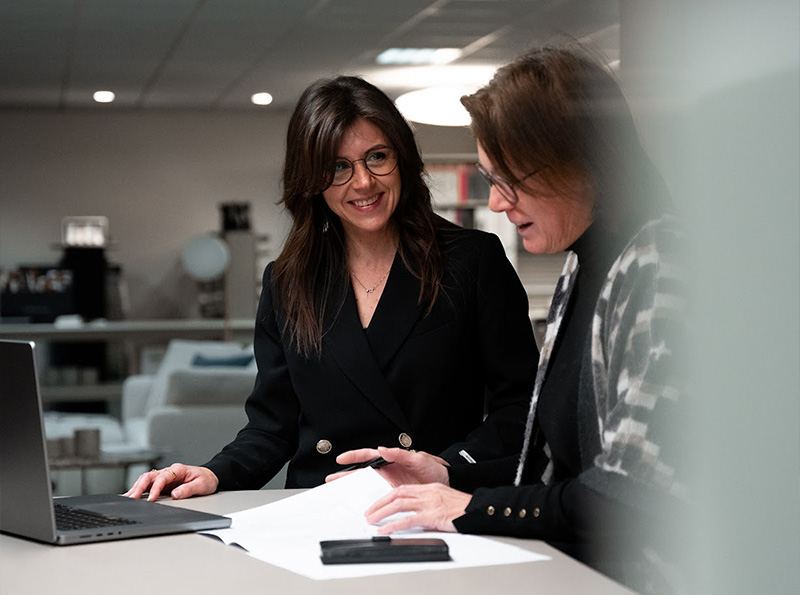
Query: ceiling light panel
[(418, 56)]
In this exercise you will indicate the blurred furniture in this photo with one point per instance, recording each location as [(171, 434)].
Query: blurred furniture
[(134, 333), (187, 411), (106, 460), (69, 479), (194, 404)]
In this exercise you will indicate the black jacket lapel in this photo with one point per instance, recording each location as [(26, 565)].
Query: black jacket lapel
[(396, 315), (349, 347)]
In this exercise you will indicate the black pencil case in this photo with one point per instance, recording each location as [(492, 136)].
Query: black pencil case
[(382, 549)]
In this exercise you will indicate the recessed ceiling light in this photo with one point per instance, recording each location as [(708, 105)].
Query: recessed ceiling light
[(439, 106), (104, 96), (261, 98), (418, 56)]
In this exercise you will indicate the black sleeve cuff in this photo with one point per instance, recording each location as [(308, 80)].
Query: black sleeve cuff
[(563, 512)]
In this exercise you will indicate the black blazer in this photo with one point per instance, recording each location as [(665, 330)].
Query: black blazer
[(410, 379)]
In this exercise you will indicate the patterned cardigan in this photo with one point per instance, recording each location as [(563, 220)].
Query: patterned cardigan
[(628, 411), (636, 339)]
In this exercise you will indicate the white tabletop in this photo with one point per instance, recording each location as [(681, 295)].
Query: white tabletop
[(199, 565)]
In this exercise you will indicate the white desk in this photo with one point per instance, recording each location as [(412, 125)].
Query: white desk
[(200, 565)]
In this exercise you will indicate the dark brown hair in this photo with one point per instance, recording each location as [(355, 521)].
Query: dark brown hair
[(558, 110), (313, 261)]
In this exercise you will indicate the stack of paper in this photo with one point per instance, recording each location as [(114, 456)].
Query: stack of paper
[(287, 533)]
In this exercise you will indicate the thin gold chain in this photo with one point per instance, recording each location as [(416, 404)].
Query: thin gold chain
[(374, 287)]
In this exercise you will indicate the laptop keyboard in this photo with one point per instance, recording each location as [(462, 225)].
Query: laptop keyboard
[(71, 519)]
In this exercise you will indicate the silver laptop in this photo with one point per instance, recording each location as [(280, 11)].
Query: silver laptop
[(27, 506)]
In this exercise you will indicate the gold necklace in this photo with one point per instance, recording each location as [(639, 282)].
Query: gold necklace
[(374, 287)]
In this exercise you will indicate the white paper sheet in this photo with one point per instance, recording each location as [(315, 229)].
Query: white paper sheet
[(287, 533)]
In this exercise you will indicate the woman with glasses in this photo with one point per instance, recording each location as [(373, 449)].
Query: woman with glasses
[(379, 322), (559, 148)]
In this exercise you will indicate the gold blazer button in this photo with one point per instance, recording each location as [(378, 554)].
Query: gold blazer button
[(405, 440), (324, 447)]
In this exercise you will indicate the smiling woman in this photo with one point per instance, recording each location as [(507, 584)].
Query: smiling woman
[(364, 196), (379, 322)]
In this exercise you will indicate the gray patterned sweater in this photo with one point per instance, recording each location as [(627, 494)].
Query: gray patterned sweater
[(599, 466)]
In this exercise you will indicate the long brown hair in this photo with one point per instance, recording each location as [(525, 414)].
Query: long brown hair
[(313, 261), (559, 111)]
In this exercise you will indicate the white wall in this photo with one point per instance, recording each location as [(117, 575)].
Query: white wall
[(159, 178)]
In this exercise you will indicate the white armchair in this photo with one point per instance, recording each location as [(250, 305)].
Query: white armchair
[(194, 404)]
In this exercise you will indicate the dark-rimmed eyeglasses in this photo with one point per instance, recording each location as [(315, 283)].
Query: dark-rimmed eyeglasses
[(504, 187), (379, 162)]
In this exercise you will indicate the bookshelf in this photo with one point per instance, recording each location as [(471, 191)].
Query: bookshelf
[(462, 196)]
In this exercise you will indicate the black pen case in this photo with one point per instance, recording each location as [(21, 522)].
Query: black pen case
[(382, 549)]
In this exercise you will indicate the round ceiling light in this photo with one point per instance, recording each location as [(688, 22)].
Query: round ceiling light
[(261, 98), (104, 96), (438, 106)]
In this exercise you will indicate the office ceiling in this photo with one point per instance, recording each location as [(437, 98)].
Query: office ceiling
[(214, 54)]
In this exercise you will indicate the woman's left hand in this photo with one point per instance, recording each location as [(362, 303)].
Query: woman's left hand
[(435, 506)]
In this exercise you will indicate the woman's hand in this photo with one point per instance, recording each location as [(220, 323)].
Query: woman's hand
[(434, 505), (407, 466), (183, 481)]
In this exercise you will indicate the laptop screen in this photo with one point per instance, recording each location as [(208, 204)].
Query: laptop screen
[(25, 491)]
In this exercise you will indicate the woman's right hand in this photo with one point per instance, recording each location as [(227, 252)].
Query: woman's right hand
[(407, 466), (183, 481)]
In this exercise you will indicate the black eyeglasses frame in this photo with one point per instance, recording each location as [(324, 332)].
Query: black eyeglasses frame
[(504, 187), (391, 154)]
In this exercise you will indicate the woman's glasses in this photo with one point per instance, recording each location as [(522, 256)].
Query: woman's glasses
[(380, 162), (503, 186)]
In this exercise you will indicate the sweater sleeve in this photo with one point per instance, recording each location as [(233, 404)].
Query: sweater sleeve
[(636, 342)]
